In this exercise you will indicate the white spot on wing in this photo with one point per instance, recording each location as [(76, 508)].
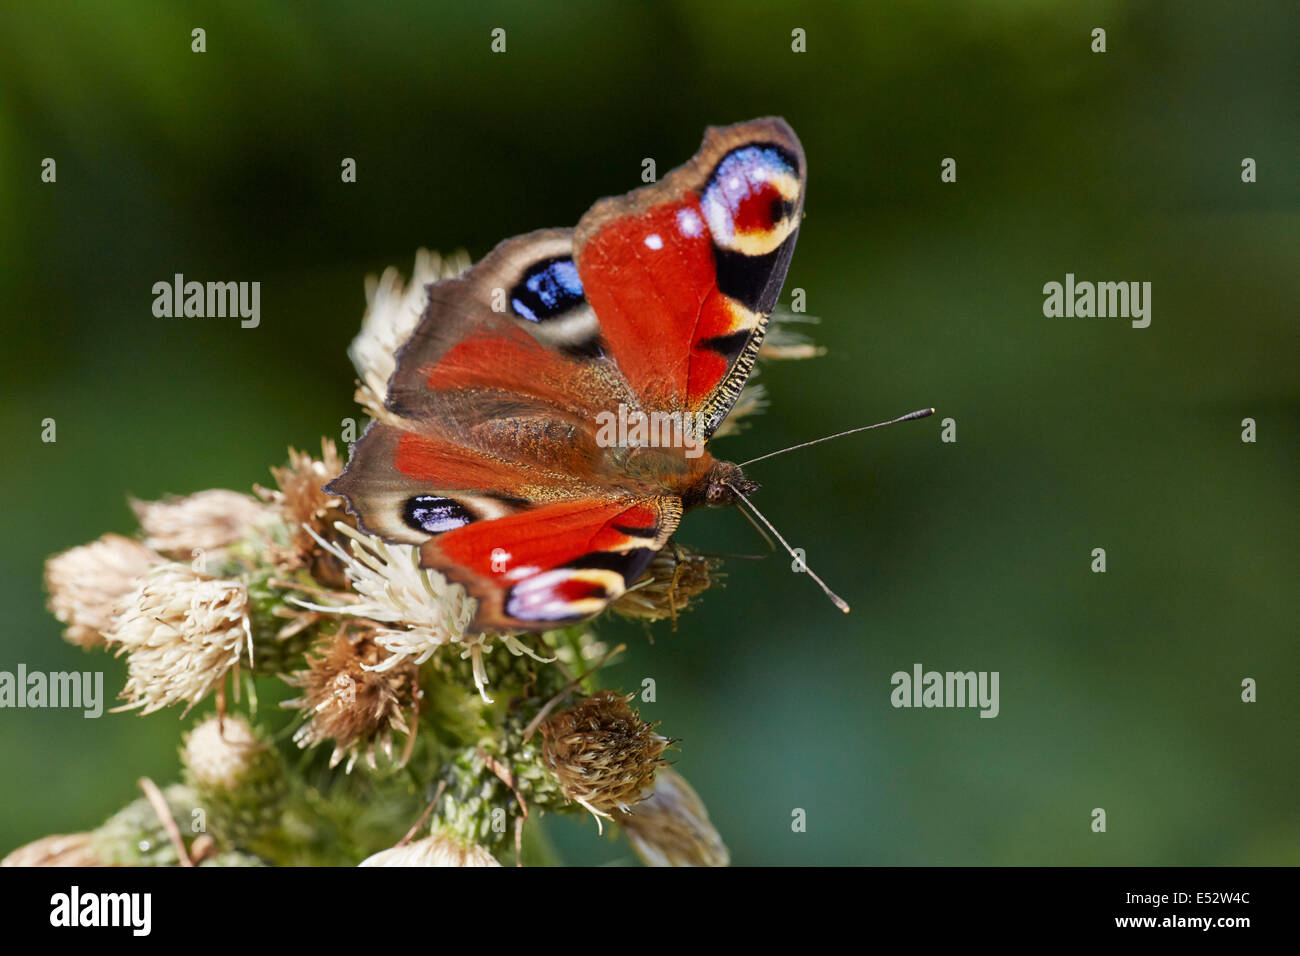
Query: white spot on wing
[(654, 241), (689, 222)]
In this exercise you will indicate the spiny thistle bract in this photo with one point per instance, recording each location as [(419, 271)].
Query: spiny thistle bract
[(479, 734)]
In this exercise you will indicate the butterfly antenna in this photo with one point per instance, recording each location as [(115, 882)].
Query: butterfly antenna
[(919, 413), (750, 518), (838, 601)]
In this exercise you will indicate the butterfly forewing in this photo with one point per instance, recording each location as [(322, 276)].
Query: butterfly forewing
[(684, 274)]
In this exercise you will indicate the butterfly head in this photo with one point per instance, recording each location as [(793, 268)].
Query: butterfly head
[(724, 484)]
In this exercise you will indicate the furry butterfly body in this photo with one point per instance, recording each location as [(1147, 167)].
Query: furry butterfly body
[(491, 454)]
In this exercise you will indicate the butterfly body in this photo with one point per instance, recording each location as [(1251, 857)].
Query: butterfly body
[(543, 453)]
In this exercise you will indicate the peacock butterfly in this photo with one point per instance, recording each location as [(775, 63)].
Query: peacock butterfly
[(494, 456)]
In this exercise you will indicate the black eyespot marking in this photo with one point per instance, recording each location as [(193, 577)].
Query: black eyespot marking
[(630, 563), (635, 531), (753, 281), (549, 289), (728, 346), (434, 515)]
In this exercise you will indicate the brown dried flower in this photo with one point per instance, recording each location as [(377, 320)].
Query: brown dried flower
[(346, 702), (305, 507), (602, 753), (675, 576), (419, 611)]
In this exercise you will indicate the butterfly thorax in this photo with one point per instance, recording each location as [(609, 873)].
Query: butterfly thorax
[(698, 479)]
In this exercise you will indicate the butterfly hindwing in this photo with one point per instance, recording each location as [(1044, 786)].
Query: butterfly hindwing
[(514, 334), (557, 563), (533, 549)]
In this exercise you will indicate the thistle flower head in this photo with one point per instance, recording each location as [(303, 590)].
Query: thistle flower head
[(670, 826), (208, 521), (675, 576), (418, 609), (392, 312), (603, 754), (347, 699), (222, 753), (439, 849), (182, 632), (237, 777), (87, 583), (305, 507)]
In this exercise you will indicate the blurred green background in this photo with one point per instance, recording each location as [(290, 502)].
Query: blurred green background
[(1118, 690)]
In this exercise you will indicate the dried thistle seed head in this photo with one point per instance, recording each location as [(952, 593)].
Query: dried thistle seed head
[(208, 522), (670, 826), (87, 583), (305, 508), (182, 632), (602, 753), (674, 577), (439, 849), (344, 701), (392, 312), (73, 849)]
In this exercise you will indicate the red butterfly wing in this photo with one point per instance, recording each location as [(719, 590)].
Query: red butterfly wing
[(406, 486), (683, 274), (554, 564), (467, 362)]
